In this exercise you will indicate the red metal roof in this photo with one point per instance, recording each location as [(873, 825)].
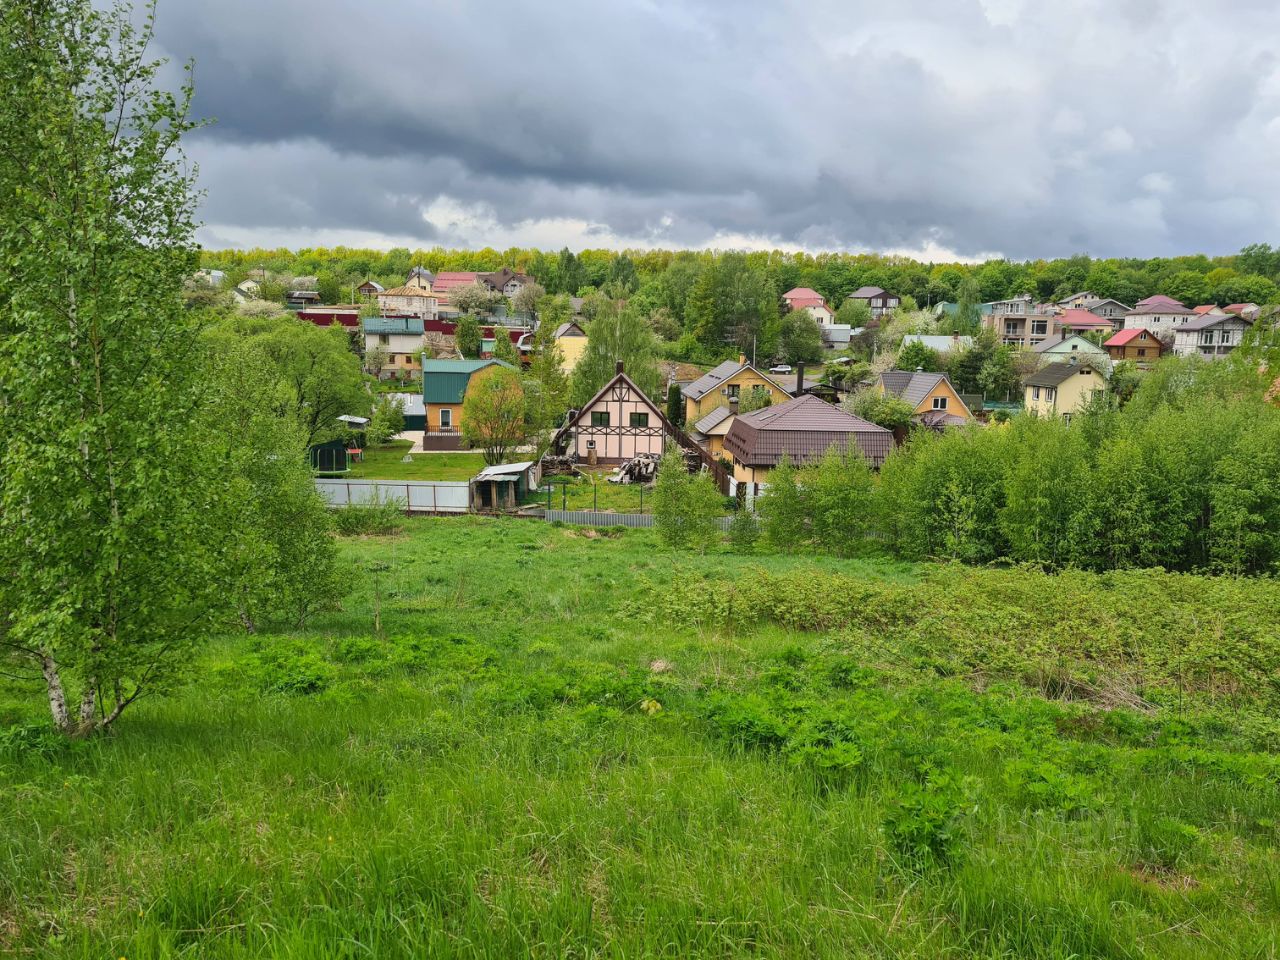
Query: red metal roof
[(1125, 336), (1205, 308), (1083, 318), (449, 280)]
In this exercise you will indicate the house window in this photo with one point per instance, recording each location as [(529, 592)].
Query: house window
[(1039, 327), (1048, 393), (732, 390), (639, 419), (1142, 351), (1011, 328), (939, 403), (446, 419), (599, 418), (1142, 336), (383, 339), (1035, 393)]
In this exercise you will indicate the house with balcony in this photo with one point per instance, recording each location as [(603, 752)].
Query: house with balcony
[(1020, 321), (444, 388), (400, 339), (1210, 335), (408, 301), (877, 300)]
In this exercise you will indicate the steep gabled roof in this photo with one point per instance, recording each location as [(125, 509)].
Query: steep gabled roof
[(1161, 306), (913, 387), (1044, 346), (406, 292), (1057, 373), (619, 377), (803, 429), (1083, 318), (718, 375), (1209, 320), (569, 329), (1161, 300), (713, 419)]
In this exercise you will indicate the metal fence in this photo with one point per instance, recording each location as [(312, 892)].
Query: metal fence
[(415, 496), (593, 518)]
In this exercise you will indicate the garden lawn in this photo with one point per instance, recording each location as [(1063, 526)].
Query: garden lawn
[(385, 463), (549, 753), (592, 491)]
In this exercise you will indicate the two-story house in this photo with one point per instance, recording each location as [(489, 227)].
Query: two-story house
[(1071, 345), (400, 339), (1062, 389), (618, 423), (1137, 344), (804, 298), (408, 301), (935, 402), (1107, 309), (877, 300), (731, 379), (1210, 335), (444, 388)]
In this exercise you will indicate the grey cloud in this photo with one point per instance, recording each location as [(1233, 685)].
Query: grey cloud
[(1033, 129)]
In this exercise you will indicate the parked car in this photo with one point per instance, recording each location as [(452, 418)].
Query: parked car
[(780, 368)]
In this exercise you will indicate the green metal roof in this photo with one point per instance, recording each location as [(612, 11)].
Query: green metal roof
[(409, 325), (445, 381)]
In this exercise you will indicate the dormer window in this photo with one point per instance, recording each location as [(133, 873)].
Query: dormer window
[(939, 403)]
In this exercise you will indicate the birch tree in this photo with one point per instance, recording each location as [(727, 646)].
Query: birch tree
[(104, 486)]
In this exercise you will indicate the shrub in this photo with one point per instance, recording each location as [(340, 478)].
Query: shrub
[(377, 517), (744, 531), (924, 824)]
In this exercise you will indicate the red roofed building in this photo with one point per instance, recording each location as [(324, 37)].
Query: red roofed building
[(803, 298), (1137, 344), (1249, 311), (1159, 299)]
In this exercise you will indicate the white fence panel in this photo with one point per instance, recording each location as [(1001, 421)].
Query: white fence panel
[(416, 496)]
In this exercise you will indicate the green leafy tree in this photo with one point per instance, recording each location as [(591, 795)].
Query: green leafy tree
[(854, 313), (839, 496), (494, 415), (329, 286), (617, 334), (783, 509), (757, 398), (882, 409), (1046, 485), (468, 336), (476, 299), (686, 508), (108, 579), (387, 419), (675, 404), (800, 339), (504, 349), (999, 375), (916, 356)]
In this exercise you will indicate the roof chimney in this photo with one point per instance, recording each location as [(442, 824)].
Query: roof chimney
[(618, 368), (742, 358), (799, 379)]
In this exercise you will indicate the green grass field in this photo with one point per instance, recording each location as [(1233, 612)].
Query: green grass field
[(386, 463), (577, 743), (592, 491)]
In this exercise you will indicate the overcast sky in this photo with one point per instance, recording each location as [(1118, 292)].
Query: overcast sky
[(938, 128)]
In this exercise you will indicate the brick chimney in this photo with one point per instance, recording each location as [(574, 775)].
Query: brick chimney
[(618, 367), (799, 379)]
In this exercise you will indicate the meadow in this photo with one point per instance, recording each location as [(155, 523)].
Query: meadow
[(519, 739)]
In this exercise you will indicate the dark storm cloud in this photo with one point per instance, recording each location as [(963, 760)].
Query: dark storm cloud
[(1112, 126)]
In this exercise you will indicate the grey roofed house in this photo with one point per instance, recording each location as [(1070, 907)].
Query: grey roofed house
[(1055, 374), (866, 293), (717, 375), (911, 386), (939, 344), (421, 273), (1161, 306), (1048, 343), (803, 429), (1207, 320), (713, 419), (569, 329)]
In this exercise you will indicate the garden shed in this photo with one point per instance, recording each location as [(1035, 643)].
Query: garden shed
[(501, 486), (329, 457)]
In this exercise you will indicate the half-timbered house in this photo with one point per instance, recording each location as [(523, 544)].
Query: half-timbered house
[(617, 423)]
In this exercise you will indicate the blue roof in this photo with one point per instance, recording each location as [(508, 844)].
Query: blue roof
[(408, 325)]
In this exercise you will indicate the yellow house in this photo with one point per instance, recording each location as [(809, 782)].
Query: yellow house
[(935, 402), (572, 341), (1062, 389), (733, 379)]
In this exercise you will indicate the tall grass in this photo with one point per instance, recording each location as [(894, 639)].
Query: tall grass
[(485, 782)]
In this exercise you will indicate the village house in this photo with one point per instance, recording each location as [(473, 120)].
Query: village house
[(1137, 344), (572, 341), (1081, 321), (718, 386), (802, 429), (343, 315), (1162, 316), (400, 338), (934, 401), (1249, 311), (1106, 309), (803, 298), (1019, 321), (407, 301), (618, 423), (370, 288), (1159, 300), (1062, 389), (301, 299), (1210, 336), (444, 388), (877, 300), (1068, 345), (710, 431), (420, 277), (1077, 300)]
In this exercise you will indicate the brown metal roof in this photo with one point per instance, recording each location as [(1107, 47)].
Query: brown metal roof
[(1056, 373), (804, 429)]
